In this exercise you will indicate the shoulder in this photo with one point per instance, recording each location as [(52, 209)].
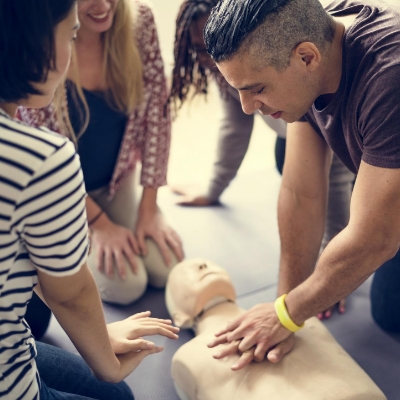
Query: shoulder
[(144, 16), (29, 145), (36, 116)]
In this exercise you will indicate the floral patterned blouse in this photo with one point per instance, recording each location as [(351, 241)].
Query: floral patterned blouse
[(148, 130)]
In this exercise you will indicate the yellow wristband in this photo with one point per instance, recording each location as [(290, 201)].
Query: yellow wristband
[(283, 315)]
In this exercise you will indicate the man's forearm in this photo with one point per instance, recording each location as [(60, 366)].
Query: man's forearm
[(343, 266), (301, 225)]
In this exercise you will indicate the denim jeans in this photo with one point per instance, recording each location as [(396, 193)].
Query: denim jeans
[(65, 376), (385, 295)]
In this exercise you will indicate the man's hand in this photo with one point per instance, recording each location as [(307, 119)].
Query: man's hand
[(127, 335), (260, 328), (192, 195)]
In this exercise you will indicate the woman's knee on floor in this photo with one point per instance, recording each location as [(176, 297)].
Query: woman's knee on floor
[(156, 267), (117, 290)]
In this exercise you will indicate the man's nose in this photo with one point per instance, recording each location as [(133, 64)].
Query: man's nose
[(249, 104)]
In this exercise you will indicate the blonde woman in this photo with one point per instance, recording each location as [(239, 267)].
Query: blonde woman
[(122, 87)]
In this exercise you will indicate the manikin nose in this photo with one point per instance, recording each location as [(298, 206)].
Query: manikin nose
[(202, 266)]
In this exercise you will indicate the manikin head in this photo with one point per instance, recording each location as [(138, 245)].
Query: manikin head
[(192, 286), (274, 52)]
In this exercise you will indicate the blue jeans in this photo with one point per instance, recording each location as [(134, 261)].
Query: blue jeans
[(385, 295), (65, 376)]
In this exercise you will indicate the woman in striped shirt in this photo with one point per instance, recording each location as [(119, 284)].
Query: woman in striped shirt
[(43, 228)]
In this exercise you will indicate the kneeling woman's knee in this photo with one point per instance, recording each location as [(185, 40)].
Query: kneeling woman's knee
[(122, 291), (156, 267)]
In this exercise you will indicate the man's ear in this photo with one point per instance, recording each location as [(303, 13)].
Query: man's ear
[(309, 54), (182, 320)]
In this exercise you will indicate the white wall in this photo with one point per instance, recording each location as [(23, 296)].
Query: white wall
[(166, 12)]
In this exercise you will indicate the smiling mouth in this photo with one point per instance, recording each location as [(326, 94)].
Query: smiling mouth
[(99, 17)]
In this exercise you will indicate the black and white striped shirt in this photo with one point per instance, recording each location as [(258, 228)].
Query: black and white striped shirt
[(42, 226)]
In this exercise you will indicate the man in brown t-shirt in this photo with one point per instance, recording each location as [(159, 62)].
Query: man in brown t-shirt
[(333, 71)]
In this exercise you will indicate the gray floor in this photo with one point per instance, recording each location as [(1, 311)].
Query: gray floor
[(241, 236)]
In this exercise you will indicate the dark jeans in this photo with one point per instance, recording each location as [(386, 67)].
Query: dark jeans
[(37, 316), (65, 376), (385, 295)]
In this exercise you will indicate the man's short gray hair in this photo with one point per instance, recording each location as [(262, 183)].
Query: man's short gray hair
[(269, 29)]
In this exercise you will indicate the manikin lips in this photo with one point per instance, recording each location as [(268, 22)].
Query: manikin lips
[(208, 273)]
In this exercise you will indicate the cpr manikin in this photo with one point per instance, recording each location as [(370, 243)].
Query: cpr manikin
[(200, 295)]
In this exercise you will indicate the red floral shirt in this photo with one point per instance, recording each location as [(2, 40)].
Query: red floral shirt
[(148, 130)]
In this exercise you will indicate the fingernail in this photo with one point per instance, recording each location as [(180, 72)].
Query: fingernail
[(342, 310), (328, 314), (320, 316), (217, 355), (150, 345), (234, 366), (273, 356)]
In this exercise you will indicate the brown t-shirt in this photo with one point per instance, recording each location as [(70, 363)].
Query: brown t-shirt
[(362, 121)]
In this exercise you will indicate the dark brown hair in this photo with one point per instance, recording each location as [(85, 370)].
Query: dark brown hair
[(27, 44)]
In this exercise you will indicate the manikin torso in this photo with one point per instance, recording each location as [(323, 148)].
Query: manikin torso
[(318, 368)]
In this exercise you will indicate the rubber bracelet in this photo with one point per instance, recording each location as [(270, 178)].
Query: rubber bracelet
[(95, 218), (283, 315)]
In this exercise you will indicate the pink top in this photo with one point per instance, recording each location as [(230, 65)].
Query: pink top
[(148, 130)]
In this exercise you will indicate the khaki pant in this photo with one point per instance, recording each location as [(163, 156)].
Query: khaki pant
[(122, 210)]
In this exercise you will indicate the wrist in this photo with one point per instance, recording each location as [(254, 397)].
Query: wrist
[(149, 200), (100, 222), (284, 316)]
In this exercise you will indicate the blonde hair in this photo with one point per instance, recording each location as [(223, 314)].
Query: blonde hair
[(78, 97), (122, 72), (122, 64)]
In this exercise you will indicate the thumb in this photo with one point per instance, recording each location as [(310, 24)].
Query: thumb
[(139, 345), (284, 347)]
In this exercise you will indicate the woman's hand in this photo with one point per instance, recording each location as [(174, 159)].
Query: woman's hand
[(151, 224), (113, 243), (340, 306), (192, 195), (127, 335)]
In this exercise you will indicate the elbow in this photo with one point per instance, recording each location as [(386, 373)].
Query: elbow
[(389, 250), (382, 248)]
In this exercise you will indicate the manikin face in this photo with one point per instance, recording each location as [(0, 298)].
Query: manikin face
[(96, 16), (65, 33), (288, 94), (191, 285), (196, 37)]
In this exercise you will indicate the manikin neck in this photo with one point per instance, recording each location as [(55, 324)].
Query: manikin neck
[(212, 317)]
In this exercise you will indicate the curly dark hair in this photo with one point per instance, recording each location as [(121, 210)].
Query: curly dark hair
[(187, 71)]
